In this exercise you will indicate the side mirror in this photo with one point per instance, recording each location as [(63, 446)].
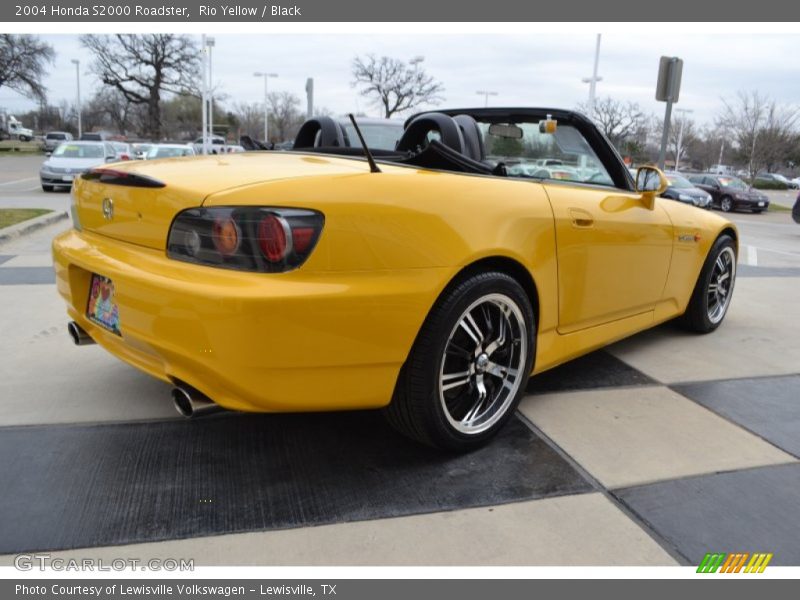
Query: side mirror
[(650, 182)]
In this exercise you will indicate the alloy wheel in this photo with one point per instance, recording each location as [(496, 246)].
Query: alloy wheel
[(483, 363), (720, 284)]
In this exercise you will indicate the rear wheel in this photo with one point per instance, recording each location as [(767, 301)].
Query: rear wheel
[(714, 288), (726, 204), (469, 365)]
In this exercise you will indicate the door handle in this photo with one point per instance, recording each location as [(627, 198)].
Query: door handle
[(581, 218)]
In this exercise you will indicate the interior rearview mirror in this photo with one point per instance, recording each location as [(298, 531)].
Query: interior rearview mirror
[(506, 130)]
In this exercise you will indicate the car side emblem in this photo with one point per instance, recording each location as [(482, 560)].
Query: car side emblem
[(108, 209)]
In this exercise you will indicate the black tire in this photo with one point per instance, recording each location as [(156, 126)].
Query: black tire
[(47, 188), (704, 313), (426, 408), (726, 204)]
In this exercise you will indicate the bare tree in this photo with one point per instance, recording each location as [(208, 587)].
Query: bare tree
[(285, 117), (395, 85), (620, 121), (110, 107), (22, 64), (143, 67), (683, 136), (251, 118), (762, 130)]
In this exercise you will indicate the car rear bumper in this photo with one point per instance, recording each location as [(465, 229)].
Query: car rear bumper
[(751, 204), (252, 341)]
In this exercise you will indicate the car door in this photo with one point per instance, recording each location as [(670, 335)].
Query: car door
[(711, 185)]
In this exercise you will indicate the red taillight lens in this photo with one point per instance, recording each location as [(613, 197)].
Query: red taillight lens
[(251, 238), (272, 238), (302, 238), (225, 235)]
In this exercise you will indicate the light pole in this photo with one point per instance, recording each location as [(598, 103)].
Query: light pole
[(266, 77), (486, 95), (592, 81), (77, 64), (684, 112), (210, 44)]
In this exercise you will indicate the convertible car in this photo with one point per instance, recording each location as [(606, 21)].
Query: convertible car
[(430, 280)]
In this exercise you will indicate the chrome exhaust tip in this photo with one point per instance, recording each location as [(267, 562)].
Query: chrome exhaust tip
[(190, 403), (78, 335)]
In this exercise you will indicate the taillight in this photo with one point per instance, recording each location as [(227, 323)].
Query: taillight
[(261, 239)]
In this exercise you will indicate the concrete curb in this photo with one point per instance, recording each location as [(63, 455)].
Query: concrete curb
[(14, 231)]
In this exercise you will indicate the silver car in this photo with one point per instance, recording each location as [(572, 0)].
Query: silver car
[(70, 159)]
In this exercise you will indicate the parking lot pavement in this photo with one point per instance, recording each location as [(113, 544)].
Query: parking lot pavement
[(651, 452)]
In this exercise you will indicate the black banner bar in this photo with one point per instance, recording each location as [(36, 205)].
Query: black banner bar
[(259, 11)]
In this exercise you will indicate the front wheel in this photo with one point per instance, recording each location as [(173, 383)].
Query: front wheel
[(714, 288), (469, 365)]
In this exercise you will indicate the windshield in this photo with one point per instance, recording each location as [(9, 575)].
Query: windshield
[(679, 182), (732, 182), (379, 136), (79, 151), (527, 152)]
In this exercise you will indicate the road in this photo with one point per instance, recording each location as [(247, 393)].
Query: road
[(652, 451)]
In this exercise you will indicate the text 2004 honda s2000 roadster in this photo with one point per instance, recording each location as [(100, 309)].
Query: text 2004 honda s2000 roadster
[(432, 280)]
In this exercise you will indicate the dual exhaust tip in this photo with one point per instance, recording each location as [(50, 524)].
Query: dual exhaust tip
[(188, 401)]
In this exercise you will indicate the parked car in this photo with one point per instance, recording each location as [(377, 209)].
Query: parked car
[(169, 151), (731, 193), (71, 159), (426, 281), (93, 136), (54, 138), (771, 181), (123, 150), (683, 190), (796, 210), (721, 170), (216, 145), (140, 150), (789, 183)]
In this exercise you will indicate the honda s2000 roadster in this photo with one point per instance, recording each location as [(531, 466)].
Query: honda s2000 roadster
[(430, 279)]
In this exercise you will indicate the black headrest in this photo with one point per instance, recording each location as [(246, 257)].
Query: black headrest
[(416, 134), (330, 134), (473, 139)]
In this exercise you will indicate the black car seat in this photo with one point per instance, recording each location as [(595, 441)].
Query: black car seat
[(415, 137), (319, 132), (473, 138)]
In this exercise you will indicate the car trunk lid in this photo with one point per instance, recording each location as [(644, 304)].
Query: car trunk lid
[(137, 201)]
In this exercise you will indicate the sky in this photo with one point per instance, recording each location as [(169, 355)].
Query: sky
[(525, 70)]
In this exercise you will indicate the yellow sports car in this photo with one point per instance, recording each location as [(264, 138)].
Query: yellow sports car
[(431, 280)]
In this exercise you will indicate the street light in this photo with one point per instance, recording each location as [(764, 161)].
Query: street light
[(77, 64), (594, 79), (266, 77), (485, 95), (684, 112), (416, 60), (210, 45)]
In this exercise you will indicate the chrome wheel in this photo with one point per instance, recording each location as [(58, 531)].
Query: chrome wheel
[(726, 204), (720, 285), (483, 363)]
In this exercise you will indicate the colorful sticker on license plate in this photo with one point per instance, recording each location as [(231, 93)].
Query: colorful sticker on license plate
[(102, 307)]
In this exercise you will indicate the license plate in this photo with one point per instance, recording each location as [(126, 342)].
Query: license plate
[(67, 177), (102, 307), (761, 204)]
